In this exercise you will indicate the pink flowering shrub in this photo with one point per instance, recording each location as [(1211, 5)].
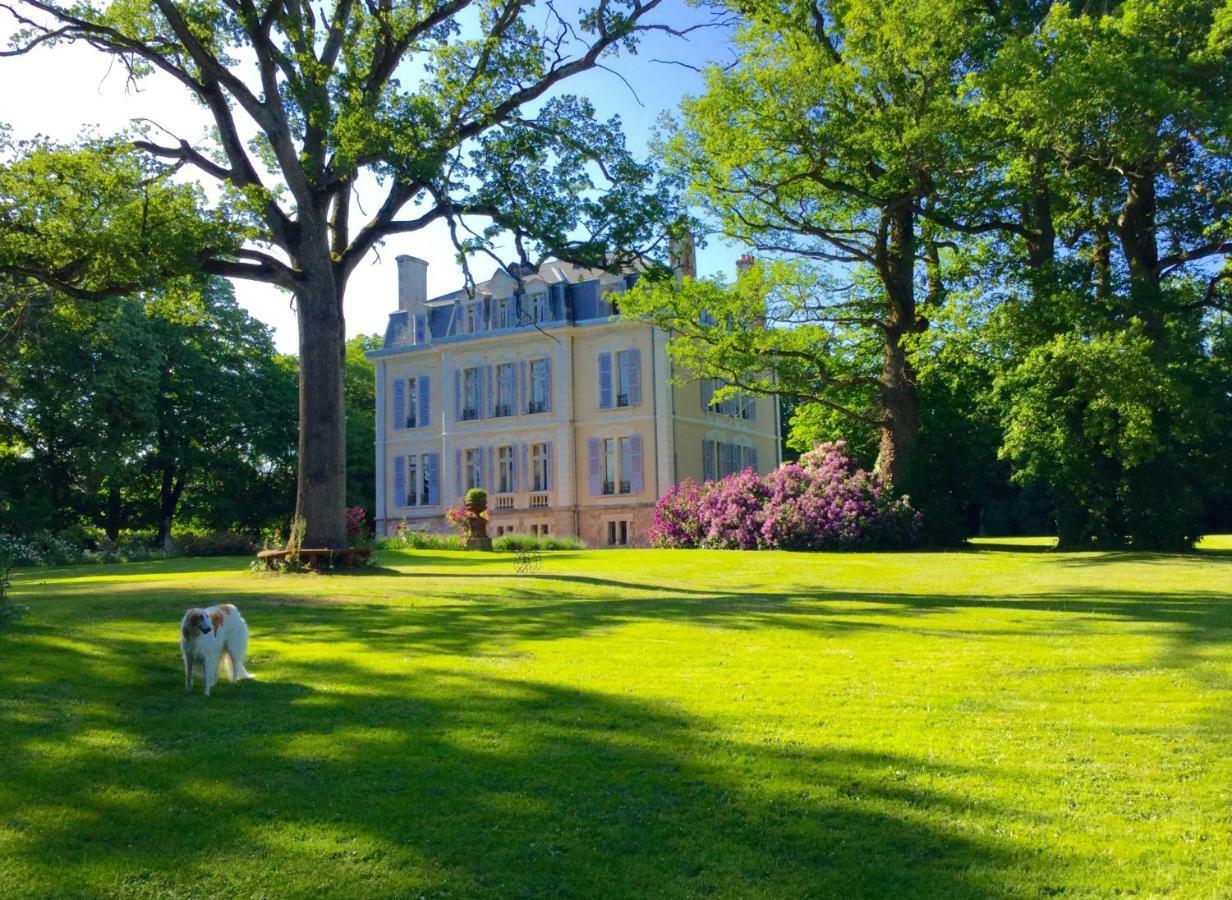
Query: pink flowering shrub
[(823, 502)]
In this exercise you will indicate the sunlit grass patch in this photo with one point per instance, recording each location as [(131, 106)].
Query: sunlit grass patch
[(998, 721)]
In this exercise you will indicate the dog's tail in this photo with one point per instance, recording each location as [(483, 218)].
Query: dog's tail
[(238, 651)]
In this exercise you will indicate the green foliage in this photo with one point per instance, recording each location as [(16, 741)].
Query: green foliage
[(510, 543), (1095, 418), (125, 412), (476, 499), (408, 539), (949, 200), (101, 219), (360, 377)]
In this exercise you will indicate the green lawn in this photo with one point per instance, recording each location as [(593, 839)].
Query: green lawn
[(1004, 721)]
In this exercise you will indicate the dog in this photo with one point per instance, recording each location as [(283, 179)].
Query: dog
[(214, 637)]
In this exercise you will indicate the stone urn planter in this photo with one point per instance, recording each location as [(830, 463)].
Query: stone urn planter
[(476, 523)]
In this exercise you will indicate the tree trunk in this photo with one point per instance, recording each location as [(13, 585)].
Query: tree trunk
[(115, 511), (1138, 233), (899, 398), (168, 499), (320, 495), (1037, 217)]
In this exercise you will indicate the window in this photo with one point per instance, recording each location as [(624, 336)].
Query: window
[(470, 393), (504, 470), (720, 459), (538, 401), (540, 529), (538, 467), (419, 469), (616, 456), (624, 376), (472, 468), (618, 533), (504, 313), (542, 308), (472, 317), (504, 390), (412, 402), (620, 378), (740, 406)]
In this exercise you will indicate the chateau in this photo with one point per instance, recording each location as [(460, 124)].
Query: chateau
[(566, 412)]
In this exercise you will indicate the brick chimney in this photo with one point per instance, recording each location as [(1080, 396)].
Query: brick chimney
[(412, 282)]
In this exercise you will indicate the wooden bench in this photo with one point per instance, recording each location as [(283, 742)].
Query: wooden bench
[(313, 557)]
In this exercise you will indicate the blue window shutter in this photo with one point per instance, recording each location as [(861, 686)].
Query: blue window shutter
[(635, 376), (523, 389), (593, 449), (399, 404), (549, 481), (524, 465), (707, 393), (489, 474), (707, 460), (605, 381), (425, 399), (752, 407), (636, 479), (399, 481), (489, 408), (753, 458), (457, 474), (433, 462), (457, 395)]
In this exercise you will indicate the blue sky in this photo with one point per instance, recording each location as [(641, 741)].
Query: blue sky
[(61, 91)]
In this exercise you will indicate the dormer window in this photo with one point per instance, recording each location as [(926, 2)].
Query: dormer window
[(543, 309), (472, 316), (504, 313)]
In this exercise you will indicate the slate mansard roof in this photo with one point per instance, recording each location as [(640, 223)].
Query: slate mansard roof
[(573, 294)]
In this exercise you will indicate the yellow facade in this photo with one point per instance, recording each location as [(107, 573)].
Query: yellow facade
[(649, 435)]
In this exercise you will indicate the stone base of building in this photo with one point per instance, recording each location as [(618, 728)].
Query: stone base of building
[(602, 526)]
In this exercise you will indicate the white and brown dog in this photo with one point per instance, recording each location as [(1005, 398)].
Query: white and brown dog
[(214, 637)]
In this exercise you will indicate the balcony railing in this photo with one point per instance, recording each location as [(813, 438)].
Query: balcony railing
[(538, 501), (504, 502)]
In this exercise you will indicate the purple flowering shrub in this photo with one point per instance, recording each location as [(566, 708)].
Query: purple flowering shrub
[(823, 502)]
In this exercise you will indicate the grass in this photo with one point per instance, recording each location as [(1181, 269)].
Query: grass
[(996, 722)]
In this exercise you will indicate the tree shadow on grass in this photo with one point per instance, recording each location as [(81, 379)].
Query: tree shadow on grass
[(452, 783)]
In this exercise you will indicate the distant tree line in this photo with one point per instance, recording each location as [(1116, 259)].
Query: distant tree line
[(168, 411)]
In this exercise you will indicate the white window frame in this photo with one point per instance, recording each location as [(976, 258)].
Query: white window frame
[(504, 406), (542, 306), (417, 476), (539, 467), (472, 468), (503, 483), (620, 388), (470, 379), (537, 401), (412, 403), (617, 454)]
